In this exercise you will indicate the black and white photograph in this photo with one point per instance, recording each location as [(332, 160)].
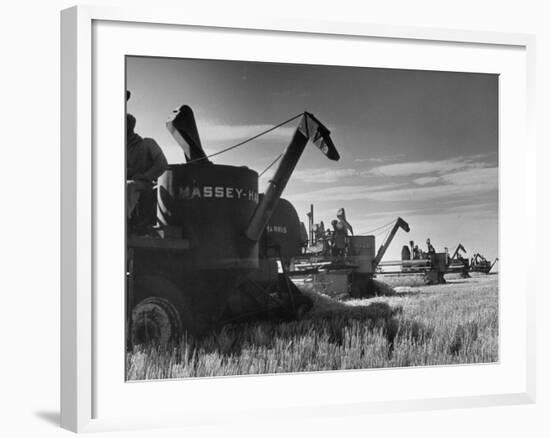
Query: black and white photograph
[(275, 220), (286, 218)]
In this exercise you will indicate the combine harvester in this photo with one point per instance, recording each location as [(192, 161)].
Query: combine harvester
[(222, 249), (435, 266), (432, 267), (458, 260), (351, 273), (477, 263), (354, 273)]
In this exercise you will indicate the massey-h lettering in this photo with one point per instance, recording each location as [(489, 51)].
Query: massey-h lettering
[(220, 192)]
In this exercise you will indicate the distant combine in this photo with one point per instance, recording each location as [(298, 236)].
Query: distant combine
[(350, 266), (352, 269)]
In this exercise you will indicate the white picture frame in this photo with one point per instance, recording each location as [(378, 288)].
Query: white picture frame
[(85, 357)]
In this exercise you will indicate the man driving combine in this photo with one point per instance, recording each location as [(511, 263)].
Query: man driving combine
[(145, 162), (341, 216), (341, 227)]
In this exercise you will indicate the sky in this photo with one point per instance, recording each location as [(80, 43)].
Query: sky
[(422, 145)]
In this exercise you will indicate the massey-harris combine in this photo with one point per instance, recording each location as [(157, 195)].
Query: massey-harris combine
[(222, 248)]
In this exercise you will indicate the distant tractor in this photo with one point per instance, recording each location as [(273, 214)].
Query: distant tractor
[(218, 256)]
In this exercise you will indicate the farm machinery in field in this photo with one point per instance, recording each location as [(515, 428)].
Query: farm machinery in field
[(221, 250), (349, 271), (479, 263), (354, 272), (459, 262), (435, 265), (431, 265)]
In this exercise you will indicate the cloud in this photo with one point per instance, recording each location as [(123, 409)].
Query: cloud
[(449, 171), (383, 159), (452, 171), (458, 184), (426, 167), (229, 134), (485, 175), (323, 174), (426, 180), (464, 183), (477, 208), (342, 193)]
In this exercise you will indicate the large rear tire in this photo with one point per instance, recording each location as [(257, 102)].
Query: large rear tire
[(158, 312), (155, 321)]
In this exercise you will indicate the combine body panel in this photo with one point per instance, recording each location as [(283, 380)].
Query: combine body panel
[(282, 236), (437, 268), (362, 253), (210, 205)]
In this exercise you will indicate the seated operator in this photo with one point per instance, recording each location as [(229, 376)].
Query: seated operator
[(145, 162)]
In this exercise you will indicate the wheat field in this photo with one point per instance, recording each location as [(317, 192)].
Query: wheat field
[(454, 323)]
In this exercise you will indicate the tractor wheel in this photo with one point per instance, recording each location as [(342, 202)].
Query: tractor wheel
[(157, 321), (158, 311)]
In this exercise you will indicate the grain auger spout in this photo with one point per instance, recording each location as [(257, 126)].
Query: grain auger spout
[(309, 128), (399, 223)]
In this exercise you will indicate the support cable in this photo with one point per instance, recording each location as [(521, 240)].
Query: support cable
[(378, 228), (247, 140), (271, 164)]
